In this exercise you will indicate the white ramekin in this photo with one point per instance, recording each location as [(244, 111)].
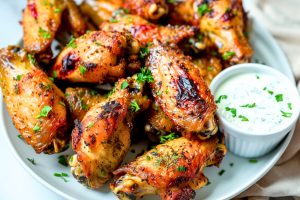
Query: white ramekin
[(247, 144)]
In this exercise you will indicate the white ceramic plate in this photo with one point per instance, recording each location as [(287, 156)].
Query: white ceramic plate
[(234, 180)]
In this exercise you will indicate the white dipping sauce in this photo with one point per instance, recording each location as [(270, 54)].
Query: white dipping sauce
[(254, 102)]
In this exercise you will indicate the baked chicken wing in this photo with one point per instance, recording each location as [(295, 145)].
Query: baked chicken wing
[(179, 89), (36, 105), (147, 32), (172, 170), (96, 57)]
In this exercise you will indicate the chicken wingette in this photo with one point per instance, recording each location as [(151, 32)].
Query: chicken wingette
[(36, 105), (102, 138), (146, 32), (96, 57), (179, 90), (172, 170)]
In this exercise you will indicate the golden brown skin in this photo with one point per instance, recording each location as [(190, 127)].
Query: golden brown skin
[(96, 57), (179, 89), (182, 12), (147, 32), (27, 90), (100, 10), (151, 10), (173, 169), (41, 20), (75, 19), (80, 100), (224, 23)]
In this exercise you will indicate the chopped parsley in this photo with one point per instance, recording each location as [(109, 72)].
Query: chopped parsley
[(279, 97), (203, 9), (31, 59), (228, 55), (165, 138), (98, 43), (181, 168), (82, 69), (44, 112), (124, 85), (290, 106), (232, 110), (18, 77), (93, 92), (113, 20), (54, 74), (209, 68), (148, 157), (221, 172), (62, 159), (91, 124), (269, 91), (253, 161), (36, 128), (84, 106), (134, 106), (220, 98), (72, 43), (231, 164), (62, 176), (57, 10), (145, 76), (159, 92), (286, 114), (20, 137), (110, 92), (243, 118), (248, 105), (145, 51), (31, 160), (45, 34), (257, 77)]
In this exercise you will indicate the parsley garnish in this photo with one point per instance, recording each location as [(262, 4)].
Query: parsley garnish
[(62, 176), (221, 172), (228, 55), (243, 118), (82, 69), (285, 114), (148, 157), (45, 34), (134, 106), (249, 105), (72, 43), (62, 159), (83, 106), (124, 85), (31, 160), (279, 97), (31, 59), (110, 92), (93, 92), (20, 137), (18, 77), (220, 98), (159, 92), (91, 124), (232, 110), (269, 91), (253, 161), (209, 68), (145, 76), (169, 137), (181, 168), (113, 20), (203, 9), (36, 128), (257, 77), (54, 74), (289, 106), (145, 51), (231, 164), (57, 10), (44, 112)]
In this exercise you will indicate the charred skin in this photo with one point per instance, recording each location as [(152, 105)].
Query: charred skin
[(151, 10), (173, 169), (179, 89), (95, 57), (225, 25), (26, 91), (40, 23), (80, 100), (146, 32)]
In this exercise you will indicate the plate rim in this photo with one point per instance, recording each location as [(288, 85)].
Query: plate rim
[(281, 148)]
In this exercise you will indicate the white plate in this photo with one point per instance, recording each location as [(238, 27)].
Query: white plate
[(235, 179)]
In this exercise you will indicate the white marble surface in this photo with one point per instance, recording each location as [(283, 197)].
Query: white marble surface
[(15, 182)]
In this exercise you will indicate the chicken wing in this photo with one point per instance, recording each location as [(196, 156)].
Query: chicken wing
[(96, 57), (147, 32), (80, 100), (182, 12), (36, 105), (224, 23), (179, 89), (173, 169), (151, 10), (102, 138)]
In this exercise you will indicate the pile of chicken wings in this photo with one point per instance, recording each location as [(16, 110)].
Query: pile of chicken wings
[(105, 73)]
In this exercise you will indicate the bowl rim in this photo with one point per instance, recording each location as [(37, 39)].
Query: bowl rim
[(249, 68)]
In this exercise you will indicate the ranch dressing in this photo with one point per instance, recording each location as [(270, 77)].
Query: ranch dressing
[(254, 102)]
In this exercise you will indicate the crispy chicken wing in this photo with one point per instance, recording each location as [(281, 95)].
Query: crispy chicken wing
[(224, 23), (147, 32), (36, 105), (148, 9), (182, 12), (102, 138), (80, 100), (180, 90), (96, 57), (173, 169)]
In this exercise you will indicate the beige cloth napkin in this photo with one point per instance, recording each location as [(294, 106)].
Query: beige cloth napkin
[(282, 18)]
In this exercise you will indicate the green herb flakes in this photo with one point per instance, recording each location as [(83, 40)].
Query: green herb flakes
[(232, 110), (279, 97), (82, 69), (145, 76), (31, 160), (45, 34), (290, 106), (124, 85), (228, 55), (72, 43), (44, 112), (181, 168), (203, 9), (62, 159), (62, 176), (31, 59), (221, 172), (168, 137), (220, 98), (253, 161), (36, 128), (249, 105), (134, 106), (243, 118), (286, 114)]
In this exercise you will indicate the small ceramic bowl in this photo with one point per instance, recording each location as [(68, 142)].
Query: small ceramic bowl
[(244, 142)]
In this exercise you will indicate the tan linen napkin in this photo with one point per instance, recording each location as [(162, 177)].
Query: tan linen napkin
[(282, 18)]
